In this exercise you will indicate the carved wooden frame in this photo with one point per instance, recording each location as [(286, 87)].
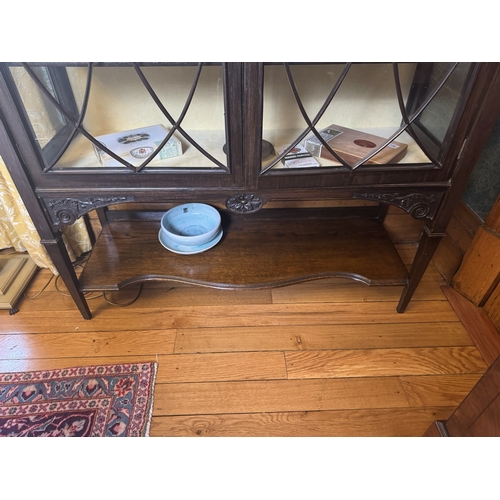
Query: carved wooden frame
[(65, 211), (418, 204)]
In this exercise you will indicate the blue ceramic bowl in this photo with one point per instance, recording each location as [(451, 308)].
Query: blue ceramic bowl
[(191, 224)]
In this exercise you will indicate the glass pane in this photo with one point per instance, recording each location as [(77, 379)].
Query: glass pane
[(122, 116), (45, 119), (438, 114), (363, 114)]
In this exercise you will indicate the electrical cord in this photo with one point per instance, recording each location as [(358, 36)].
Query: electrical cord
[(109, 301), (40, 292), (126, 304)]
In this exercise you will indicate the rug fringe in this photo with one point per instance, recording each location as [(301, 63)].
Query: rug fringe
[(151, 400)]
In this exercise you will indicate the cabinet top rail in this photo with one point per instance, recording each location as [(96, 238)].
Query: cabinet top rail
[(178, 63), (114, 64)]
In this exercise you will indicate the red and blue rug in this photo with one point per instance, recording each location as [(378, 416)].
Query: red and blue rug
[(107, 400)]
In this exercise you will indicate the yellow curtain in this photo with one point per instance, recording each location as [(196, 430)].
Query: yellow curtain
[(18, 231)]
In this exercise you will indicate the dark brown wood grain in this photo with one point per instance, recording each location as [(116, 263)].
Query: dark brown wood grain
[(480, 328), (479, 413), (437, 429), (492, 307), (271, 248)]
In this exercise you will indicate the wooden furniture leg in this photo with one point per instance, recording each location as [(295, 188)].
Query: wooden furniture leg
[(383, 208), (102, 215), (428, 244), (90, 229), (59, 255)]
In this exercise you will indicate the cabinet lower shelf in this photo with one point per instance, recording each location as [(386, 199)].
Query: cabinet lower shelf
[(262, 250)]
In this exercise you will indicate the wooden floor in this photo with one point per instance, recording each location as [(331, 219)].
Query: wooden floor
[(322, 358)]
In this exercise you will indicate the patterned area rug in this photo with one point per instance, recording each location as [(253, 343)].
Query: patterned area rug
[(108, 400)]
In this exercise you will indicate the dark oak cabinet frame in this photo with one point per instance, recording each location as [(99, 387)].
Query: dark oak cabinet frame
[(261, 247)]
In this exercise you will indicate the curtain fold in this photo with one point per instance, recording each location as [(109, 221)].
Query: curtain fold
[(18, 231)]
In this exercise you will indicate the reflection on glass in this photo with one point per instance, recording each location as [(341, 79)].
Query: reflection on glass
[(363, 114), (119, 104), (438, 115), (45, 119)]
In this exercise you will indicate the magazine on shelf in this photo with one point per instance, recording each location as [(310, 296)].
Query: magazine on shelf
[(137, 145)]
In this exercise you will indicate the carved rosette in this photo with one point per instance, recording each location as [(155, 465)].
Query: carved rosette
[(65, 211), (244, 203), (418, 205)]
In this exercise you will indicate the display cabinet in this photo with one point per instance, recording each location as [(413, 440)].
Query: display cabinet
[(80, 137)]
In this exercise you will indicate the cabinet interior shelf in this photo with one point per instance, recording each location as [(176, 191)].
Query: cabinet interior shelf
[(273, 247)]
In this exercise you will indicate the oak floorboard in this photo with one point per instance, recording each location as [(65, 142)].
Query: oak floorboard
[(444, 390), (221, 354), (323, 291), (384, 362), (113, 319), (87, 344), (54, 302), (403, 229), (221, 367), (149, 297), (31, 364), (109, 319), (306, 337), (398, 422), (165, 294), (42, 279), (406, 251), (173, 368), (278, 395)]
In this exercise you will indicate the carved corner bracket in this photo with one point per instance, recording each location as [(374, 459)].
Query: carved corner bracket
[(244, 203), (418, 205), (65, 211)]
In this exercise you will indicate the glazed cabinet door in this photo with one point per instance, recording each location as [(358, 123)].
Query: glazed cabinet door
[(348, 124), (144, 126)]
